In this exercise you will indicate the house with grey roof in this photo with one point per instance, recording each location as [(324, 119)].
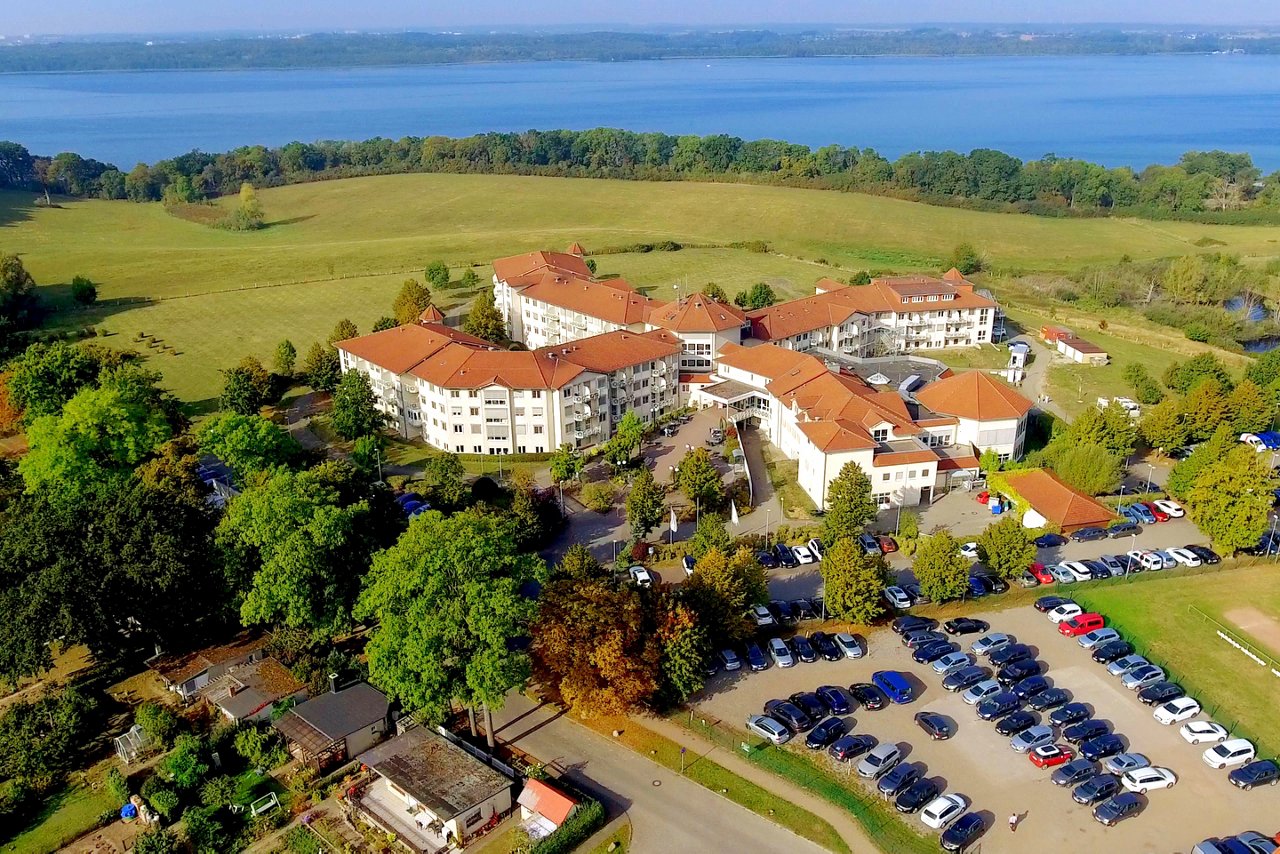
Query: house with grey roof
[(337, 725)]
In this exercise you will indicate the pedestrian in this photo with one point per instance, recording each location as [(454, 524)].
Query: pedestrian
[(1013, 822)]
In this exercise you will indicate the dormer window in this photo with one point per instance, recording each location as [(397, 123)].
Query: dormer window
[(880, 434)]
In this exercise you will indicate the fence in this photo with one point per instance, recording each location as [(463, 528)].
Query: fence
[(827, 778)]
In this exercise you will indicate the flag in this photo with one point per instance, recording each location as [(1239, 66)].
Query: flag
[(733, 512), (674, 524)]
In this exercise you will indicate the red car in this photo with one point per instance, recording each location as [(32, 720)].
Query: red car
[(1081, 624), (1042, 575), (1051, 755), (1160, 515), (887, 544)]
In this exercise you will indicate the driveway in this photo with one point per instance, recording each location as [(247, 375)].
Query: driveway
[(667, 812)]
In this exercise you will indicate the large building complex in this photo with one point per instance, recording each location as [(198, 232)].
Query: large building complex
[(598, 348)]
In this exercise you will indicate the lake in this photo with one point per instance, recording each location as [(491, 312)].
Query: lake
[(1114, 110)]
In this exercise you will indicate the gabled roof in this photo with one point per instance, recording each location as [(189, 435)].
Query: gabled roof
[(1055, 501), (766, 360), (616, 350), (697, 313), (612, 300), (337, 714), (435, 772), (974, 395), (177, 669), (518, 270), (547, 801), (399, 349)]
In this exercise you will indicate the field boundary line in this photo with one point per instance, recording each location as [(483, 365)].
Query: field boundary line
[(1256, 653)]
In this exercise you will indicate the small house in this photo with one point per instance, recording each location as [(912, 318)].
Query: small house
[(327, 730), (1082, 352), (543, 808), (1047, 499), (249, 691), (1051, 334), (186, 674), (431, 793)]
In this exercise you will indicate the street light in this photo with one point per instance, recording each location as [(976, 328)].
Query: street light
[(1150, 469)]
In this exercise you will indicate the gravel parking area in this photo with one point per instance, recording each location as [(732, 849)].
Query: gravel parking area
[(978, 763)]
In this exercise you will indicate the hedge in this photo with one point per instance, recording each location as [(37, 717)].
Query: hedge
[(577, 829)]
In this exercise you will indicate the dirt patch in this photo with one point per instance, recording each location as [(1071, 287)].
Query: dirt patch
[(1261, 627)]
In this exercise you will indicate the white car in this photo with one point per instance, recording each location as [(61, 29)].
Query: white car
[(1173, 508), (761, 615), (1176, 711), (1122, 763), (1237, 751), (769, 729), (969, 550), (952, 661), (897, 597), (1064, 612), (1198, 732), (803, 555), (1143, 780), (1078, 571), (1146, 560), (984, 689), (988, 644), (848, 645), (1184, 557), (640, 576), (1097, 637), (941, 811), (815, 545), (1253, 442)]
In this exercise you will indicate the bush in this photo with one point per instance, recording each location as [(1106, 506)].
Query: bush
[(117, 786), (17, 800), (164, 801), (575, 830), (598, 496), (302, 841), (260, 747), (158, 722)]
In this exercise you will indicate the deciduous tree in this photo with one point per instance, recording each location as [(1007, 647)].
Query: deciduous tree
[(446, 480), (1112, 428), (1204, 408), (412, 301), (355, 410), (710, 534), (715, 292), (1090, 468), (1183, 376), (700, 481), (566, 463), (246, 388), (580, 564), (942, 573), (684, 651), (1231, 499), (286, 358), (966, 258), (849, 504), (46, 376), (437, 273), (83, 290), (1184, 473), (645, 504), (1252, 409), (484, 320), (627, 435), (247, 443), (1007, 547), (853, 582), (321, 368), (1163, 426), (343, 331), (18, 301)]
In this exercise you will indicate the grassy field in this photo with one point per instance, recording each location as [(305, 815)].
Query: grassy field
[(65, 816), (340, 249), (1156, 613)]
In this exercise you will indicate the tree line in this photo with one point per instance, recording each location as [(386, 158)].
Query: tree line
[(1208, 185)]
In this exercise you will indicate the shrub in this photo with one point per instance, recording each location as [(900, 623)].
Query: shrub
[(598, 496), (260, 748), (575, 830), (164, 801), (117, 786), (1197, 332), (158, 722), (218, 792)]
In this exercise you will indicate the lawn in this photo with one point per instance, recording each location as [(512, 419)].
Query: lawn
[(1156, 613), (65, 816)]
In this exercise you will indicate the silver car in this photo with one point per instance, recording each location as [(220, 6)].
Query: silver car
[(1097, 637), (1031, 738), (984, 689), (988, 644), (781, 653), (952, 661), (1121, 666), (1124, 762), (848, 645), (768, 728), (1142, 676), (878, 762)]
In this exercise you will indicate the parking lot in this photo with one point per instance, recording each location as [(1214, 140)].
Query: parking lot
[(977, 763)]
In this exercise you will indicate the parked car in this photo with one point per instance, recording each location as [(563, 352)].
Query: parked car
[(1045, 604), (952, 661), (848, 747), (760, 614), (1185, 557), (1061, 574), (1167, 560), (1235, 751), (1124, 664), (878, 761), (1125, 762), (869, 544), (1143, 780), (1071, 713), (894, 685), (965, 677), (1173, 508), (848, 645), (931, 652), (943, 810), (1110, 651), (789, 714), (970, 551), (868, 696), (1263, 772), (1199, 732), (1176, 710), (1117, 808), (1156, 511), (897, 779), (825, 733), (1086, 730), (825, 646), (688, 563), (729, 660), (1010, 653), (803, 555), (962, 832), (991, 583), (1088, 534), (1030, 687), (1081, 624), (1102, 747), (916, 795), (935, 725), (1016, 671), (1027, 579), (816, 547), (1074, 772), (781, 653), (1031, 738), (1207, 555), (641, 577), (1048, 699), (769, 729), (756, 660), (809, 703), (767, 559), (1040, 574), (1065, 612), (915, 593), (804, 609), (999, 705), (1049, 541), (917, 639), (984, 690), (1139, 513), (1015, 722), (989, 643), (1160, 692), (785, 556), (1142, 676), (782, 612), (1051, 755), (888, 545), (1097, 637), (897, 597), (965, 626), (1099, 787), (1257, 843), (802, 649), (1097, 569), (1123, 528), (1146, 559), (1112, 563), (905, 625)]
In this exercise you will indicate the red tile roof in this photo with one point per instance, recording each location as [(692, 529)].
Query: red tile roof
[(697, 313), (431, 314), (613, 351), (974, 395), (518, 270), (400, 348), (612, 299), (547, 801), (1056, 501)]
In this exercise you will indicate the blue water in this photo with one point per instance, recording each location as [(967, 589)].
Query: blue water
[(1113, 110)]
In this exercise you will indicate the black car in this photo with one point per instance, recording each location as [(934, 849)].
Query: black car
[(1049, 541), (998, 705), (782, 612), (916, 795), (802, 649), (962, 832), (902, 625), (1207, 556), (848, 747), (1071, 713), (1117, 809), (1009, 653), (935, 725), (788, 714), (991, 583), (915, 593), (868, 696), (767, 560), (1261, 772), (1086, 730), (755, 657), (965, 677), (1097, 788), (898, 779), (931, 652), (1015, 722), (1267, 545), (917, 639), (825, 646), (1123, 528), (1029, 687), (1045, 604), (1097, 569), (1102, 747), (1016, 671), (825, 733), (965, 626), (835, 699), (804, 609), (1111, 650), (1074, 772), (1085, 535), (1049, 698), (809, 703), (785, 556), (1161, 692)]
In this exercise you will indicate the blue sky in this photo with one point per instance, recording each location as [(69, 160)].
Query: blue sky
[(120, 16)]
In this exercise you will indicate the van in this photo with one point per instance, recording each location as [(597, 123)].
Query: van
[(894, 685), (1081, 624)]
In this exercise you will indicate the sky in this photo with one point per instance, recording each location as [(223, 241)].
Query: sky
[(156, 16)]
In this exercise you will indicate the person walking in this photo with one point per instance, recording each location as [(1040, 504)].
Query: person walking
[(1013, 822)]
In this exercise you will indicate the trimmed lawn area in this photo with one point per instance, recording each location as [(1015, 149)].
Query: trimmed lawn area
[(784, 476), (987, 357), (620, 838), (66, 815), (1155, 612)]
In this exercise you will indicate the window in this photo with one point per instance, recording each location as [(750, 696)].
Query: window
[(477, 449), (457, 428), (897, 475), (475, 410), (911, 475), (520, 449), (884, 476), (882, 499), (537, 429), (880, 434), (458, 448), (536, 394), (475, 428), (454, 393)]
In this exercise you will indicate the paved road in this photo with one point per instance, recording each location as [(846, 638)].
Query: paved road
[(675, 815)]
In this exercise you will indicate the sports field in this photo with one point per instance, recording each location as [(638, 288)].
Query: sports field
[(341, 248)]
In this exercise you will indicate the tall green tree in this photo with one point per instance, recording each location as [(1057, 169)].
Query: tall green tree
[(1183, 376), (83, 290), (437, 273), (342, 331), (578, 563), (1007, 547), (715, 292), (685, 651), (247, 443), (1204, 408), (710, 534), (626, 438), (446, 480), (566, 463), (286, 358), (46, 376), (1090, 468), (1163, 426), (40, 740), (719, 592), (942, 573), (411, 302), (966, 258), (470, 280), (850, 506), (1185, 472), (700, 481), (321, 368), (448, 604), (645, 504), (1252, 409), (355, 407), (246, 388), (1112, 428), (19, 304), (1232, 497), (853, 582), (484, 320)]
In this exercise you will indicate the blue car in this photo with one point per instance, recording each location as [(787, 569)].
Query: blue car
[(1138, 513), (1049, 541), (407, 497), (894, 684), (976, 588)]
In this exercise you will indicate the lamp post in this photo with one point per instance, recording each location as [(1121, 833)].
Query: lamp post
[(1150, 469)]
